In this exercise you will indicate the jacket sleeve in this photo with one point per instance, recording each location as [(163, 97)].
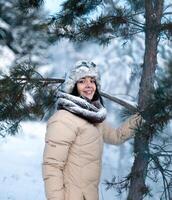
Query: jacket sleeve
[(59, 138), (121, 134)]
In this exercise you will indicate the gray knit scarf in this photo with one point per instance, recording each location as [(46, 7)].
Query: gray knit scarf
[(93, 112)]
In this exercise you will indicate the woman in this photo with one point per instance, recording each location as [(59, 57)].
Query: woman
[(75, 136)]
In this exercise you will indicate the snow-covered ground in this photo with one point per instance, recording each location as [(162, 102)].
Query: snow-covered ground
[(20, 168)]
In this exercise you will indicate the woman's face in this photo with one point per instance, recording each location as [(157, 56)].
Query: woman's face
[(86, 87)]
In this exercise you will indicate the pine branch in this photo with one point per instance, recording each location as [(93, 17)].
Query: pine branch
[(167, 27), (47, 81), (25, 5), (73, 9), (119, 185), (165, 173), (167, 13), (103, 29)]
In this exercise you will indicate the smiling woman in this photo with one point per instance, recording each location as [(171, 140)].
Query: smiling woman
[(86, 87), (75, 136)]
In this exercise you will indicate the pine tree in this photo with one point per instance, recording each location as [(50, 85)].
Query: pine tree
[(23, 32), (102, 21)]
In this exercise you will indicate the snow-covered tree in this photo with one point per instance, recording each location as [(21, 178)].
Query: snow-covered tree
[(21, 31)]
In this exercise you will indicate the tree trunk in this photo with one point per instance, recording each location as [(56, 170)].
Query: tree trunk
[(153, 14)]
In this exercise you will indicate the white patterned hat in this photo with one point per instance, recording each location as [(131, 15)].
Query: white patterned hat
[(81, 69)]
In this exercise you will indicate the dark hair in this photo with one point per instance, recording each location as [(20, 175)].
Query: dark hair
[(96, 96)]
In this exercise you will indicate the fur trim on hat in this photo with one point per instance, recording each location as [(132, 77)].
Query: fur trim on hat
[(81, 69)]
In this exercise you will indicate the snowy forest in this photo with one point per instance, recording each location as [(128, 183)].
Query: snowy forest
[(131, 43)]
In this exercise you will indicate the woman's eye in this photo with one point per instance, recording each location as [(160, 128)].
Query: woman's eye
[(81, 81), (93, 81)]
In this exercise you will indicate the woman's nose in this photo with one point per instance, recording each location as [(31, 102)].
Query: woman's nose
[(88, 83)]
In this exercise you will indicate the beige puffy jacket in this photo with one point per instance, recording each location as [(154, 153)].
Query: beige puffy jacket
[(72, 155)]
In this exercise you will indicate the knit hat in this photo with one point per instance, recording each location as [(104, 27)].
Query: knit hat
[(81, 69)]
